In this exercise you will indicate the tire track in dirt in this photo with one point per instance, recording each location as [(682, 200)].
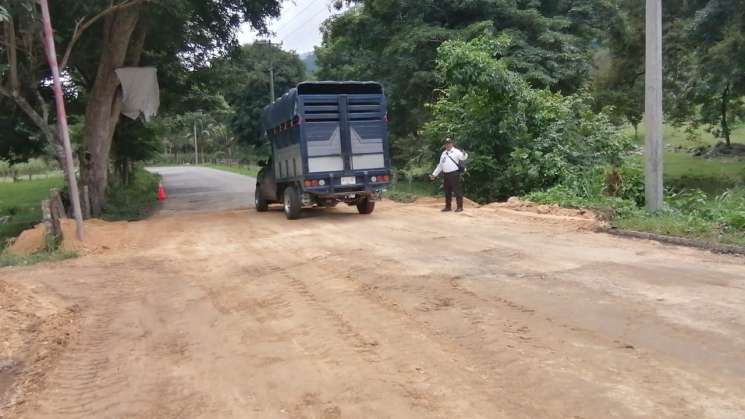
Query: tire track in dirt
[(338, 316), (486, 349)]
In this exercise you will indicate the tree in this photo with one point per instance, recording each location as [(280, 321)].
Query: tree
[(396, 41), (618, 76), (521, 138), (242, 77), (134, 141), (22, 69), (20, 141), (718, 76), (109, 35)]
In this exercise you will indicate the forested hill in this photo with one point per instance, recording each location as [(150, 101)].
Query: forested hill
[(309, 59)]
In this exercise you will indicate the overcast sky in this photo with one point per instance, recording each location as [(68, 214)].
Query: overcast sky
[(298, 27)]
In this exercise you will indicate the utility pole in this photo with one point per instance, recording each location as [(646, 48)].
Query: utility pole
[(196, 147), (654, 149), (272, 95), (64, 132)]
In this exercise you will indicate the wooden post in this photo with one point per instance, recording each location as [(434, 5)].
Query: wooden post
[(53, 231), (654, 147), (64, 132), (56, 205)]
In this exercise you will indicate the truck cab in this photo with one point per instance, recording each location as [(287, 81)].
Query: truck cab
[(329, 143)]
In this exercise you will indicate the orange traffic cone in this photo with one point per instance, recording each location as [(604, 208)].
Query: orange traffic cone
[(161, 192)]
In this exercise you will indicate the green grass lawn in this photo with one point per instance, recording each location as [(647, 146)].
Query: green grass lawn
[(21, 201), (683, 164), (677, 136), (240, 169), (686, 170)]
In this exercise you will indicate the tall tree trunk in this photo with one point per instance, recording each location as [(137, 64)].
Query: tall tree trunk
[(724, 123), (104, 105)]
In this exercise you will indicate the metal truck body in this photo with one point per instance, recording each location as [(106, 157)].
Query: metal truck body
[(329, 144)]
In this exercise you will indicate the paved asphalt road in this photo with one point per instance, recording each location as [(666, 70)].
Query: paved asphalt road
[(201, 189)]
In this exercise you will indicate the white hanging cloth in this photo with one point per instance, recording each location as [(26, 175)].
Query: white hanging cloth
[(140, 91)]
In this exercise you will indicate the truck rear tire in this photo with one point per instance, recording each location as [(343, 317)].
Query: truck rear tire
[(366, 206), (293, 206), (262, 204)]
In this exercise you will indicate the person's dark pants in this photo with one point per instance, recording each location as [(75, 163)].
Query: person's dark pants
[(453, 185)]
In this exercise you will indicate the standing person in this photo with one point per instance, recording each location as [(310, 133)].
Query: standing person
[(451, 165)]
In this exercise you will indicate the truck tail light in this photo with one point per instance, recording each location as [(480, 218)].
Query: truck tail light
[(313, 182), (297, 121)]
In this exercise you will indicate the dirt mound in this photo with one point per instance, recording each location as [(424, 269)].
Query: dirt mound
[(35, 327), (30, 241), (516, 204), (99, 236)]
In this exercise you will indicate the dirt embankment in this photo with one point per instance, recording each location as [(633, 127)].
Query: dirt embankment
[(99, 236), (35, 327)]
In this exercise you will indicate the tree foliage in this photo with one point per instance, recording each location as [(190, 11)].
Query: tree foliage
[(396, 41), (714, 66), (704, 69), (520, 138), (97, 36), (242, 77)]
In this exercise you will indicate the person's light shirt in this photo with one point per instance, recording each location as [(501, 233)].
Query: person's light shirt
[(449, 161)]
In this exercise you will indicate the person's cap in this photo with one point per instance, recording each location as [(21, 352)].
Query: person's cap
[(447, 140)]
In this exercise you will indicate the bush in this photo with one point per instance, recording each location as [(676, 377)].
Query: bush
[(520, 139), (688, 213), (135, 200)]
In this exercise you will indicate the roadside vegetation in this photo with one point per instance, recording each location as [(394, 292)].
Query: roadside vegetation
[(246, 170), (134, 199), (20, 205), (690, 212)]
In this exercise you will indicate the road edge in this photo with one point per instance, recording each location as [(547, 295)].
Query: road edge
[(725, 249)]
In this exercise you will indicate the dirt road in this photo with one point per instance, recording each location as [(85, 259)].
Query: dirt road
[(407, 313)]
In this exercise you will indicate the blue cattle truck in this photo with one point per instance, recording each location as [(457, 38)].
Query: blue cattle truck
[(329, 145)]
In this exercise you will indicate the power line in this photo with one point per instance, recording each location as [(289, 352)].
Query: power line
[(297, 15), (286, 37)]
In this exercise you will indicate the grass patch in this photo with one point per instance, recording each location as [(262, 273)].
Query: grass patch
[(7, 259), (21, 203), (678, 137), (714, 176), (407, 192), (684, 164), (689, 212), (684, 170), (679, 225), (133, 201), (251, 171)]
